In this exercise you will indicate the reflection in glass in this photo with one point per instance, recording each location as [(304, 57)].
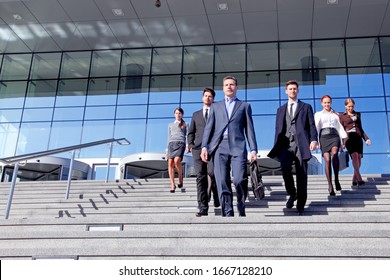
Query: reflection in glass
[(71, 92), (10, 115), (262, 56), (328, 53), (333, 83), (15, 67), (95, 131), (295, 55), (33, 137), (362, 52), (134, 131), (189, 109), (133, 90), (162, 110), (264, 108), (102, 91), (105, 63), (30, 115), (374, 125), (99, 112), (68, 114), (41, 93), (165, 89), (198, 59), (365, 82), (8, 139), (45, 65), (193, 85), (157, 134), (75, 64), (263, 86), (167, 60), (65, 134), (386, 80), (136, 62), (265, 131), (131, 112), (229, 58), (12, 94), (385, 50)]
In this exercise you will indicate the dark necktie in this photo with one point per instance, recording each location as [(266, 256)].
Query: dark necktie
[(206, 114), (291, 111)]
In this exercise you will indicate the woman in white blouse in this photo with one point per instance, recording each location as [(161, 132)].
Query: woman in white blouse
[(331, 136)]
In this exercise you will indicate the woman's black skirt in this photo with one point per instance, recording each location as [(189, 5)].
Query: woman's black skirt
[(328, 140), (354, 143), (176, 149)]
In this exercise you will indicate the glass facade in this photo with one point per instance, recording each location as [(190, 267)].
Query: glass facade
[(52, 100)]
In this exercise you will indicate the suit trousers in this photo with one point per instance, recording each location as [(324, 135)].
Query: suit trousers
[(203, 169), (287, 158), (224, 161)]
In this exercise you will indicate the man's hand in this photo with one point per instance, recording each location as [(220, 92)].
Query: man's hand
[(313, 146), (204, 155), (252, 157)]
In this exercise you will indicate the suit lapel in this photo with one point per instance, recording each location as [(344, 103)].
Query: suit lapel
[(299, 107), (235, 108)]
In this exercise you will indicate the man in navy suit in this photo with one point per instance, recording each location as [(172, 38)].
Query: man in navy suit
[(202, 169), (229, 124), (295, 137)]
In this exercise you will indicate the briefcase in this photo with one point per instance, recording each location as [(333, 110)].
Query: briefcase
[(256, 180)]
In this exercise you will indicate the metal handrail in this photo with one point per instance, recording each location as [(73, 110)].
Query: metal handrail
[(16, 159)]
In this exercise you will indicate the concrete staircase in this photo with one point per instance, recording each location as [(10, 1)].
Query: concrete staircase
[(141, 219)]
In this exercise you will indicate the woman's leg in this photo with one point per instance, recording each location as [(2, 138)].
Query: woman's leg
[(356, 162), (328, 172), (179, 169), (336, 167), (171, 172)]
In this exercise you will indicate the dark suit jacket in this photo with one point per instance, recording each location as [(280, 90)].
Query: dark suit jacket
[(306, 131), (240, 125), (195, 132)]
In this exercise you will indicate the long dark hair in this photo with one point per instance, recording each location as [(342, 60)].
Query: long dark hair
[(182, 122)]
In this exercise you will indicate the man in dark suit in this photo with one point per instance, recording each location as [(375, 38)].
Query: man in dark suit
[(202, 169), (229, 124), (295, 137)]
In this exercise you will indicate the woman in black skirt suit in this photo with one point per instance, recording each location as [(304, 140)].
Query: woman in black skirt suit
[(352, 123), (330, 131)]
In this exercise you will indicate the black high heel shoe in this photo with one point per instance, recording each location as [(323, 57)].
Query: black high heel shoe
[(331, 191), (179, 186), (338, 186), (361, 183), (172, 190)]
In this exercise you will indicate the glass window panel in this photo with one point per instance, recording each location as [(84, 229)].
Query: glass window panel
[(365, 82), (193, 85), (131, 112), (295, 55), (100, 172), (333, 82), (328, 53), (165, 89), (229, 58), (363, 52), (162, 111), (68, 114), (8, 139), (41, 93), (374, 164), (105, 63), (33, 137), (71, 92), (167, 60), (262, 86), (15, 67), (265, 131), (375, 126), (10, 115), (45, 65), (133, 90), (102, 92), (189, 109), (136, 62), (262, 56), (218, 86), (198, 59), (95, 131), (157, 134), (12, 94), (75, 64), (264, 107), (37, 115), (65, 134), (386, 80), (132, 130), (100, 113), (305, 86), (385, 50), (371, 104)]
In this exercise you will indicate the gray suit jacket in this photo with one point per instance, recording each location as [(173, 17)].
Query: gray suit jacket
[(240, 126)]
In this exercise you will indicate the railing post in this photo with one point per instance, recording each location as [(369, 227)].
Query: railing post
[(109, 162), (11, 190), (70, 175)]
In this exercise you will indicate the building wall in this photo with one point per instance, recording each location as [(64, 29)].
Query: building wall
[(52, 100)]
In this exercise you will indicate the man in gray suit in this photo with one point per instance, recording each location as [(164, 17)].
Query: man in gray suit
[(229, 124)]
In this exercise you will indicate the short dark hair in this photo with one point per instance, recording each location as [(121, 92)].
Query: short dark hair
[(206, 89), (292, 82), (230, 78)]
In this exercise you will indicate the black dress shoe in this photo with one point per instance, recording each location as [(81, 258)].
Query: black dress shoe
[(242, 215), (290, 202), (300, 212), (216, 204), (200, 214), (338, 186)]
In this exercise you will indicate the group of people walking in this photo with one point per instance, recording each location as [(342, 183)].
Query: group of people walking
[(219, 134)]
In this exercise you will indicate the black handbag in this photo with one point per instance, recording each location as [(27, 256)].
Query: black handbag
[(343, 160), (256, 180)]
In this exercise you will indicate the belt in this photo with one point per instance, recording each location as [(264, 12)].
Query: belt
[(328, 130)]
